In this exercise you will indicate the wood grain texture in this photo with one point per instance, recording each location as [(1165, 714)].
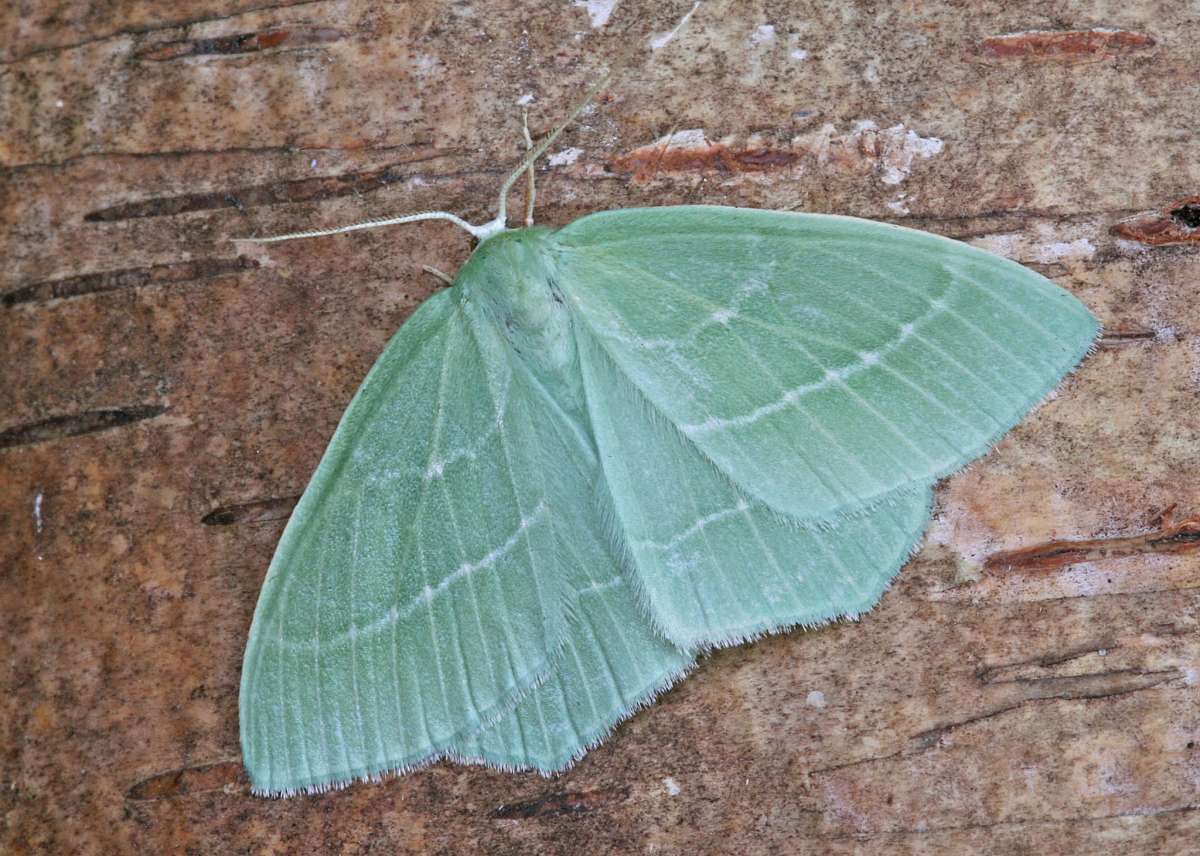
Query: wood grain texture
[(165, 394)]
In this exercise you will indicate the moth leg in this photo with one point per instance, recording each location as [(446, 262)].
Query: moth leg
[(443, 277), (531, 191)]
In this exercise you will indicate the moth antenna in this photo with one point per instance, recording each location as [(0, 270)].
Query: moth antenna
[(479, 232), (501, 221), (484, 230), (531, 193)]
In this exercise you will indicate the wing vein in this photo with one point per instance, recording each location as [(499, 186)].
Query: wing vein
[(538, 571), (435, 441), (452, 610), (362, 733)]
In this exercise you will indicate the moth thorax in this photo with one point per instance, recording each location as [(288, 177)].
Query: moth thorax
[(513, 274)]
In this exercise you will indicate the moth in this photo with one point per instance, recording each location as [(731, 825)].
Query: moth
[(611, 446)]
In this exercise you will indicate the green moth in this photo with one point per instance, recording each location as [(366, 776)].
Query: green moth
[(614, 445)]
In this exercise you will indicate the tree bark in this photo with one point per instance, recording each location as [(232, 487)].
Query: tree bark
[(1030, 683)]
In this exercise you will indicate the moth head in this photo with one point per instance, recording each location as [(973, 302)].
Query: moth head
[(512, 266)]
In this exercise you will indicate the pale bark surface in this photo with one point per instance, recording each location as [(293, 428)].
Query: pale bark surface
[(165, 394)]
